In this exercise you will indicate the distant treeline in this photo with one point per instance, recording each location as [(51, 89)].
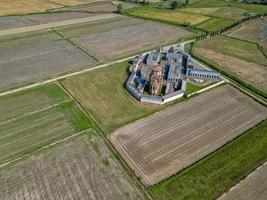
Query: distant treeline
[(263, 2)]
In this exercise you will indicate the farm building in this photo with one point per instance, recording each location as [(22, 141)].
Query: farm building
[(162, 75)]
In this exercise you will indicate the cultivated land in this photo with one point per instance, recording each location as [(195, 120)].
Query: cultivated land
[(243, 59), (213, 175), (9, 22), (72, 2), (254, 30), (81, 168), (166, 142), (103, 94), (14, 7), (253, 188), (122, 36), (35, 56), (36, 118)]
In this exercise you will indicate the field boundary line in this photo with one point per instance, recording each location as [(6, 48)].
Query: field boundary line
[(44, 147), (206, 88), (63, 77), (34, 112), (251, 173), (25, 29)]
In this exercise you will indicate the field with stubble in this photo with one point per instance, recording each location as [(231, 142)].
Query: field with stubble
[(81, 168), (168, 141)]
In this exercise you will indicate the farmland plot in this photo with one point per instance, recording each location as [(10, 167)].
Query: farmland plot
[(13, 7), (25, 59), (253, 187), (81, 168), (122, 36), (255, 31), (34, 118), (168, 141)]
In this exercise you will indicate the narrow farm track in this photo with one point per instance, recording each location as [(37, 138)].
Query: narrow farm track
[(56, 24)]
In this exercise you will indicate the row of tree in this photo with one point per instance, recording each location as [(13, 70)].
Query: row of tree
[(264, 2)]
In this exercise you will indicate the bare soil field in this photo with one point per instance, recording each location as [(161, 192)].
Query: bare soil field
[(253, 187), (35, 56), (81, 168), (72, 2), (122, 36), (251, 73), (8, 22), (164, 143), (254, 30), (14, 7)]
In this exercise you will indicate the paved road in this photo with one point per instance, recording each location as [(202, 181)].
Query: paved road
[(57, 24)]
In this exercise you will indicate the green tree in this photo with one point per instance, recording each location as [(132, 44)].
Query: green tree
[(119, 8), (173, 4)]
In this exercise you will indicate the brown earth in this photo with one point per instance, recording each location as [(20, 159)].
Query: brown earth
[(112, 39), (82, 168), (252, 73), (168, 141)]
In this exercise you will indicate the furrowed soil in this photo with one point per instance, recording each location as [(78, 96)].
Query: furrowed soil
[(165, 143), (81, 168)]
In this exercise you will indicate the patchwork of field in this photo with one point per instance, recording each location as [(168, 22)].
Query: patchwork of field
[(81, 168), (103, 94), (254, 30), (122, 36), (35, 56), (253, 187), (36, 118), (243, 59), (14, 7), (164, 143)]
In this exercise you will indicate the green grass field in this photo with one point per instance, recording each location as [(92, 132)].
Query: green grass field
[(22, 103), (103, 94), (165, 15), (236, 48), (214, 174), (215, 24), (36, 118)]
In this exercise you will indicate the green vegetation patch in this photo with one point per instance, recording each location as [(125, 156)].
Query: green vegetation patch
[(190, 88), (23, 135), (234, 47), (215, 24), (217, 172), (103, 94), (24, 102), (175, 17)]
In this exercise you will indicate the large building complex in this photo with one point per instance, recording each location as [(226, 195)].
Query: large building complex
[(161, 75)]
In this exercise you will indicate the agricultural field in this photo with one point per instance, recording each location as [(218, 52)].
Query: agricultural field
[(253, 30), (15, 7), (207, 15), (9, 22), (80, 168), (36, 118), (35, 56), (175, 17), (253, 187), (241, 58), (122, 36), (103, 94), (213, 175), (72, 2), (165, 143)]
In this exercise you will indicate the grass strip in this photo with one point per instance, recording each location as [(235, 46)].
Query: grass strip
[(214, 174)]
